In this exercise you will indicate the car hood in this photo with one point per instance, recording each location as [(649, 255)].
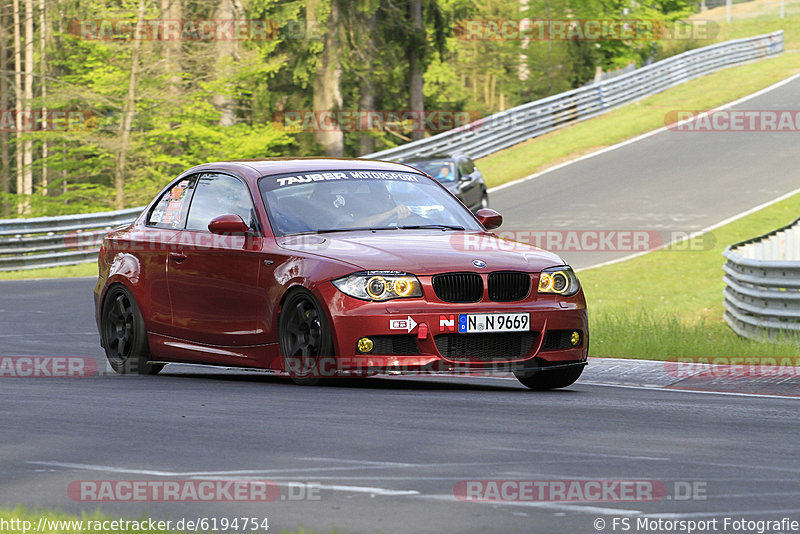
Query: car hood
[(424, 252)]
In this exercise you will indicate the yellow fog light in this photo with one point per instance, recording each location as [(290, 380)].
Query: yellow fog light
[(575, 338), (365, 344)]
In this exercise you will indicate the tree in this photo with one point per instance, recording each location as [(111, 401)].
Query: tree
[(416, 54), (27, 143), (19, 104), (126, 119), (328, 74), (366, 141), (5, 161), (172, 10), (227, 55), (43, 78)]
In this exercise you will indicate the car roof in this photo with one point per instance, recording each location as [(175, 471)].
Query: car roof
[(262, 167), (433, 157)]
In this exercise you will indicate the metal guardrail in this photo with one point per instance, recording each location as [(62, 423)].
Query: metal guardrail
[(508, 128), (762, 277), (51, 241), (73, 239)]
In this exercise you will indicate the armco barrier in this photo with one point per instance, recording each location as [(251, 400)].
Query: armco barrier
[(51, 241), (34, 243), (762, 277), (508, 128)]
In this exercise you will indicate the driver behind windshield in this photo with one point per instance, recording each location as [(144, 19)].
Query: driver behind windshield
[(444, 174), (380, 210)]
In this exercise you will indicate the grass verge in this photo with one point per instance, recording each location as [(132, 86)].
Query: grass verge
[(66, 271), (668, 303), (648, 114)]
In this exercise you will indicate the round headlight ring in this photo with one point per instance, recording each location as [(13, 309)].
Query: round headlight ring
[(402, 287), (560, 282), (375, 284)]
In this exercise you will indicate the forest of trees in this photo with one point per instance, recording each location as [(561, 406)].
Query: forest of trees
[(103, 102)]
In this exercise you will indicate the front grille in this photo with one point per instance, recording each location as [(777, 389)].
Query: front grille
[(559, 340), (509, 286), (486, 347), (398, 344), (458, 287)]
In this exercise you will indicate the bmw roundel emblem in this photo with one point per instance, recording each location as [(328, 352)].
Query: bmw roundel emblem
[(480, 264)]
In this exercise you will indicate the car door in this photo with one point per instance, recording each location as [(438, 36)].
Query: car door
[(214, 279), (153, 246), (469, 187)]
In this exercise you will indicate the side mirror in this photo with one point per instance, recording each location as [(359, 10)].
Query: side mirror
[(490, 219), (228, 224)]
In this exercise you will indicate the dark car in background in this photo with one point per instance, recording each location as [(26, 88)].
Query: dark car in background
[(458, 173)]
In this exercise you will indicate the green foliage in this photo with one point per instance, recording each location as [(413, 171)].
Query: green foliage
[(176, 124)]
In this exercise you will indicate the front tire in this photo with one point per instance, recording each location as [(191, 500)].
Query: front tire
[(124, 334), (305, 338), (554, 379)]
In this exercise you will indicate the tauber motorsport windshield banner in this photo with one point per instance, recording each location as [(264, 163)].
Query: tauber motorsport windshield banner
[(276, 182)]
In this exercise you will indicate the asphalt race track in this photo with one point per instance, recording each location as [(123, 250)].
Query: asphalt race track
[(672, 183), (385, 454)]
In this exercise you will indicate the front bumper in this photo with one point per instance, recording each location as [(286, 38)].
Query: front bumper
[(426, 335)]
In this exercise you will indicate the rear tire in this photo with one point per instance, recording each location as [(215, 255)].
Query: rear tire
[(124, 334), (305, 338), (555, 379)]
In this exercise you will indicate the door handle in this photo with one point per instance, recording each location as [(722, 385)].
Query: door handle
[(178, 257)]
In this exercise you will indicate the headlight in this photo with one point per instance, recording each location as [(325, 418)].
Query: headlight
[(379, 285), (559, 280)]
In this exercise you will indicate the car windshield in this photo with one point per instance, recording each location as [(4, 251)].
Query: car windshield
[(333, 201), (443, 170)]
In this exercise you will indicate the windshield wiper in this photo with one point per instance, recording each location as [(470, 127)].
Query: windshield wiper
[(377, 228), (431, 226), (356, 229)]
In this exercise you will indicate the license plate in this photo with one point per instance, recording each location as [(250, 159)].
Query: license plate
[(469, 323)]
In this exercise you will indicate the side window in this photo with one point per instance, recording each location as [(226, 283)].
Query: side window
[(170, 211), (465, 166), (219, 194)]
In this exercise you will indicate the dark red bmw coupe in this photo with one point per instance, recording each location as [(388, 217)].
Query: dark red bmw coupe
[(331, 267)]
